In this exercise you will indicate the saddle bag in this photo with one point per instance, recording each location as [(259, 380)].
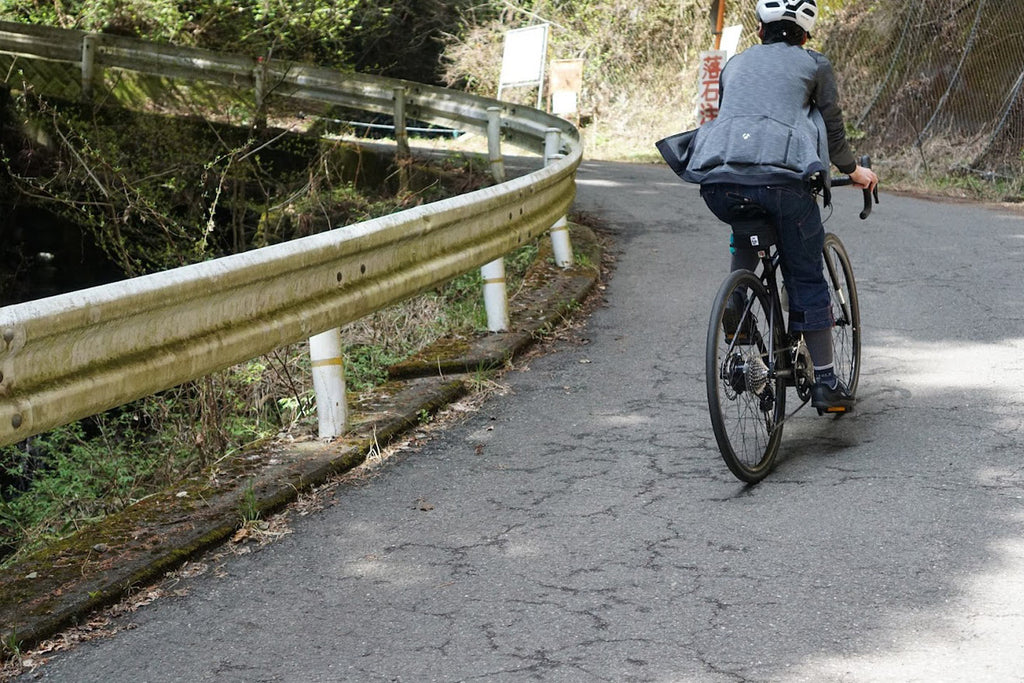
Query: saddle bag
[(752, 229)]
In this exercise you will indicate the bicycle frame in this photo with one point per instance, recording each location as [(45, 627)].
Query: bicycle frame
[(783, 363)]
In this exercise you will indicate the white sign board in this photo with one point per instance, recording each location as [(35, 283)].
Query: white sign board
[(731, 39), (522, 62)]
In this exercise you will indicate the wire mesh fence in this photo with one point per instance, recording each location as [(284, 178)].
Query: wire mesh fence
[(928, 85), (938, 82)]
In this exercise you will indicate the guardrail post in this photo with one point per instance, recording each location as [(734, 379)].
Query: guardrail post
[(494, 144), (259, 78), (401, 132), (88, 65), (493, 273), (495, 295), (329, 383), (401, 140), (560, 244)]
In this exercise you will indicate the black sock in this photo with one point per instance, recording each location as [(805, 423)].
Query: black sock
[(819, 344)]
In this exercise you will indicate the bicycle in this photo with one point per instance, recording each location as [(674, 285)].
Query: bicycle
[(752, 357)]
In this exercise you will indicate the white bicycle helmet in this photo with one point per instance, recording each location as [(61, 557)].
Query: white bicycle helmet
[(802, 12)]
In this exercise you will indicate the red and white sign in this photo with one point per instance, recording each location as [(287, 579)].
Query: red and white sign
[(711, 64)]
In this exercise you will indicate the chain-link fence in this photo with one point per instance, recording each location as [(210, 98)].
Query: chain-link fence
[(928, 85), (937, 82)]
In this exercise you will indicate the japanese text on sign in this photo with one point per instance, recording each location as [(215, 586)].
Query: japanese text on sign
[(711, 64)]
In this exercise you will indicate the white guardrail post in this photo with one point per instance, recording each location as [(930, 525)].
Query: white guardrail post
[(66, 357), (88, 65), (560, 244), (493, 273), (329, 383)]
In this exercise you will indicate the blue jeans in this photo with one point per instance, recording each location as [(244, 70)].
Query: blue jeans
[(794, 213)]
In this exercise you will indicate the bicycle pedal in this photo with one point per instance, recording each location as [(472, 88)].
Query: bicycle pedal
[(834, 410)]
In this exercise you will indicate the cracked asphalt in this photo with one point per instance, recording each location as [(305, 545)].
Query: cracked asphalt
[(582, 527)]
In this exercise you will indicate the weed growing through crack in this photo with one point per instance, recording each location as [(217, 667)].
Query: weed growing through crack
[(11, 646), (248, 507)]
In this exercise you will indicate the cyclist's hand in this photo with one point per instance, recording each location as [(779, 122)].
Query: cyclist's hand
[(864, 178)]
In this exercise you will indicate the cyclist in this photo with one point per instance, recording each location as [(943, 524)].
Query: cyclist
[(778, 129)]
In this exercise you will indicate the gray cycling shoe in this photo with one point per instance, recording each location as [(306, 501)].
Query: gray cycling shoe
[(831, 400)]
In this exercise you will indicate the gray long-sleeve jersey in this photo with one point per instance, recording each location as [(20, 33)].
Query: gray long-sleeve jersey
[(779, 120)]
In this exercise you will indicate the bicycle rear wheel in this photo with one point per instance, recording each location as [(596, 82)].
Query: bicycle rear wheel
[(747, 405), (845, 312)]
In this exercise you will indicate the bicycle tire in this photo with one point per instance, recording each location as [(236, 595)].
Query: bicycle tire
[(846, 331), (747, 406)]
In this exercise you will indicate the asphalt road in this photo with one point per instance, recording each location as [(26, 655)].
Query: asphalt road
[(582, 527)]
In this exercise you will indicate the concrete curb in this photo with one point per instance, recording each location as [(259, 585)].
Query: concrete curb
[(60, 585)]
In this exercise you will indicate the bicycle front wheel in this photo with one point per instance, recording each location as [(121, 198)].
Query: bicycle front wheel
[(845, 312), (747, 403)]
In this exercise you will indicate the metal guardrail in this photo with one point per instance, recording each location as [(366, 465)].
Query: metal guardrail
[(73, 355)]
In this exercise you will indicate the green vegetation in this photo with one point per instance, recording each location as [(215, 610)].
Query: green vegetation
[(398, 38), (249, 506), (61, 480), (158, 192), (11, 647)]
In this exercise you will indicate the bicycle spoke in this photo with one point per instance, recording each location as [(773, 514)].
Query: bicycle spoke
[(745, 398)]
